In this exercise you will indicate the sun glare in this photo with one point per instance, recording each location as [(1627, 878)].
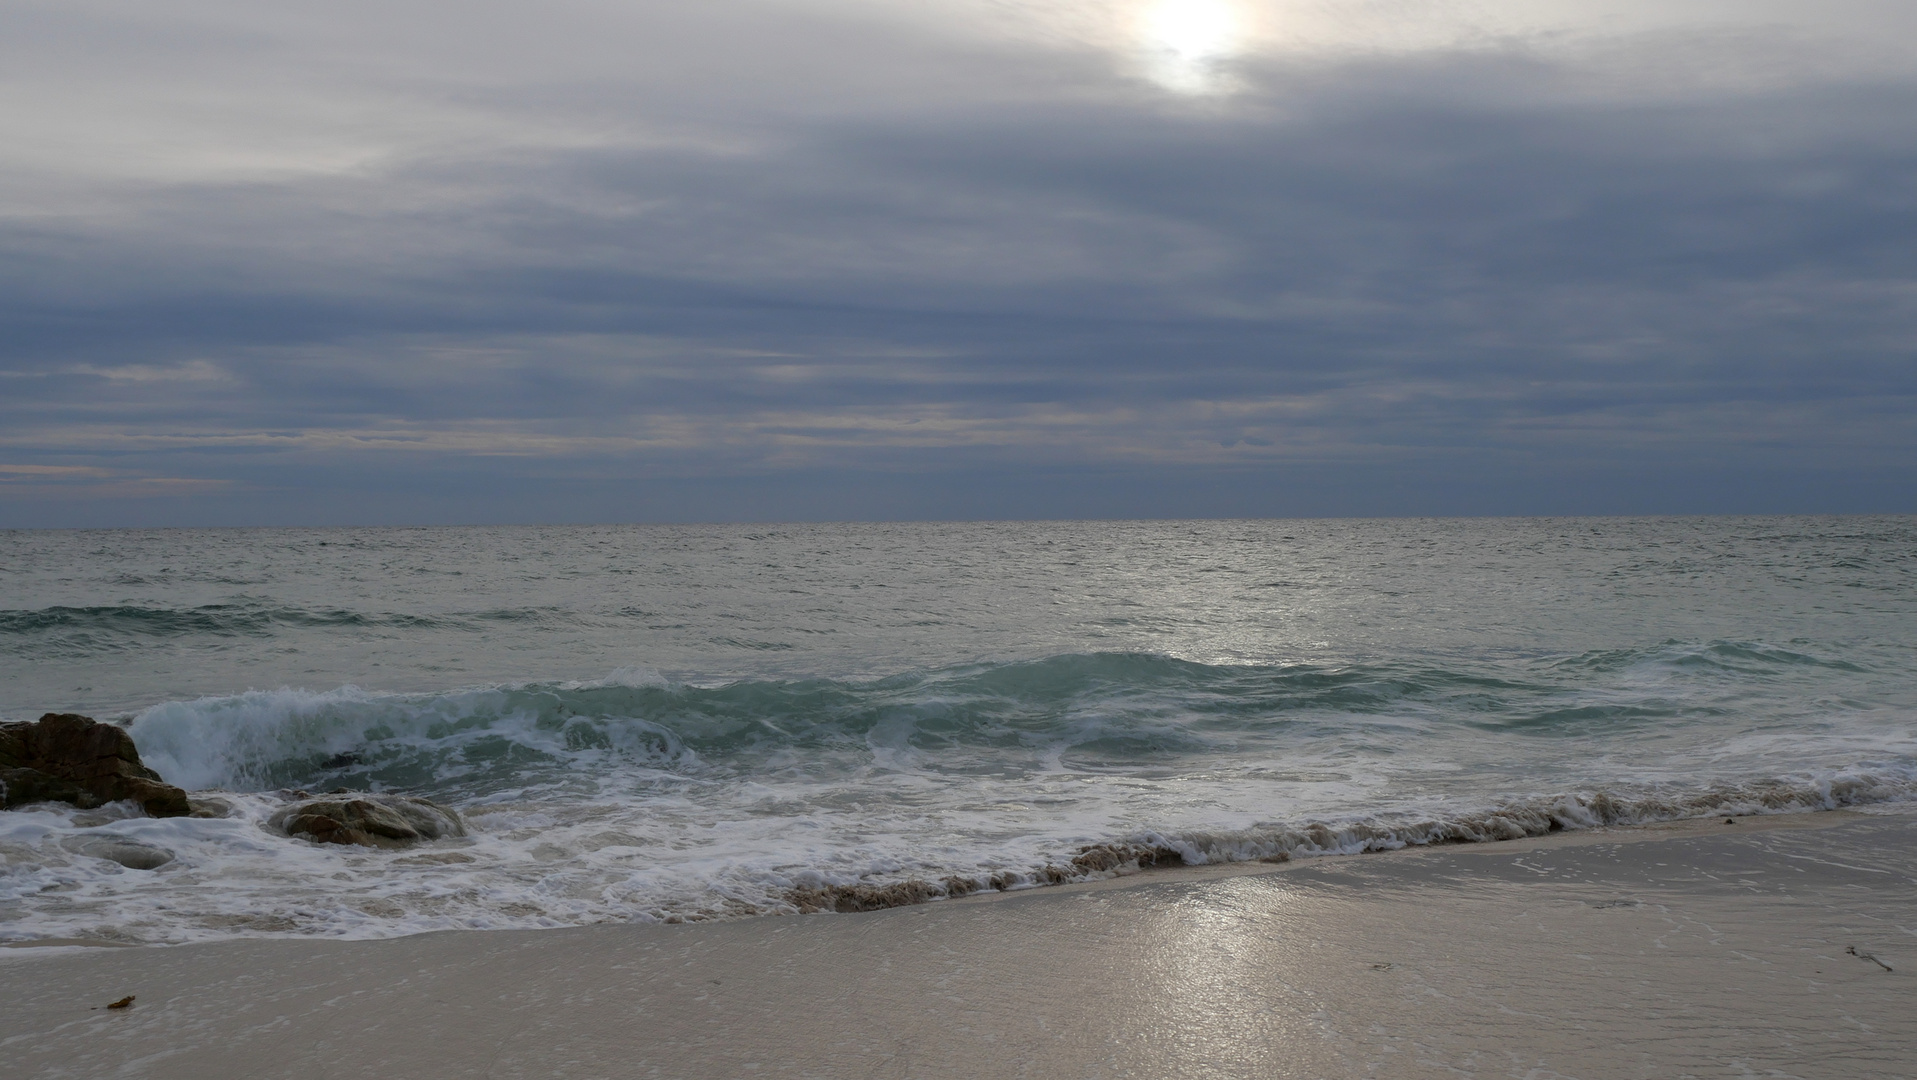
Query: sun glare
[(1187, 39)]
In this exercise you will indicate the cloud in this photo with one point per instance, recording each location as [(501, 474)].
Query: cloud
[(875, 246), (42, 484)]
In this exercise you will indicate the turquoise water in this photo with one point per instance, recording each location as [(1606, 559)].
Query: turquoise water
[(688, 722)]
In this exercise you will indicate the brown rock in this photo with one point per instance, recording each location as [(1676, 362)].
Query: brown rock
[(65, 757), (22, 786), (387, 821)]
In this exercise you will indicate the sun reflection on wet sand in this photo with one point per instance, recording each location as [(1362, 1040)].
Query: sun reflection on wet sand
[(1228, 962)]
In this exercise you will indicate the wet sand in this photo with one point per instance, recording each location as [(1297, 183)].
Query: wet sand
[(1701, 950)]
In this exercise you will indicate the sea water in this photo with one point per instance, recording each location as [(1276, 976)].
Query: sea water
[(670, 723)]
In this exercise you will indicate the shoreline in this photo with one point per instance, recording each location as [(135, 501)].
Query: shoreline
[(1152, 864), (1133, 862), (915, 891), (1635, 832), (1648, 950)]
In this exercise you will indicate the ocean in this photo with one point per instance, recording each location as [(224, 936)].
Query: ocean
[(690, 722)]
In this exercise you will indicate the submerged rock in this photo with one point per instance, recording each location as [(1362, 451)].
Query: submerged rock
[(66, 757), (204, 805), (128, 852), (387, 821)]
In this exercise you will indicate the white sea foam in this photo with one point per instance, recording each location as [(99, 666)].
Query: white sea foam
[(561, 866)]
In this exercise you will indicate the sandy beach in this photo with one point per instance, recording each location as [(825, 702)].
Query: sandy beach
[(1698, 949)]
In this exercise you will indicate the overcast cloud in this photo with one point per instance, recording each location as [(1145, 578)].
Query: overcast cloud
[(592, 261)]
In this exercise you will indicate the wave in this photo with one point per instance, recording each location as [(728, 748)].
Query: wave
[(1091, 711), (1735, 657), (105, 628), (642, 797)]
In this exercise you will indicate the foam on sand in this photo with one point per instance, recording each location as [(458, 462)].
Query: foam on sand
[(1673, 950)]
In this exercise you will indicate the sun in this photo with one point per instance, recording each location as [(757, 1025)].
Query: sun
[(1186, 39), (1195, 29)]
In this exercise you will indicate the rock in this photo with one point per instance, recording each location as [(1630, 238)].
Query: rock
[(202, 805), (387, 821), (128, 852), (65, 757), (24, 786)]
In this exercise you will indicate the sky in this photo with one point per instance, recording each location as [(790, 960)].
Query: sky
[(418, 262)]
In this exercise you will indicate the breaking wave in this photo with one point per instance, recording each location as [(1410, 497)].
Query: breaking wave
[(642, 797), (1100, 711)]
